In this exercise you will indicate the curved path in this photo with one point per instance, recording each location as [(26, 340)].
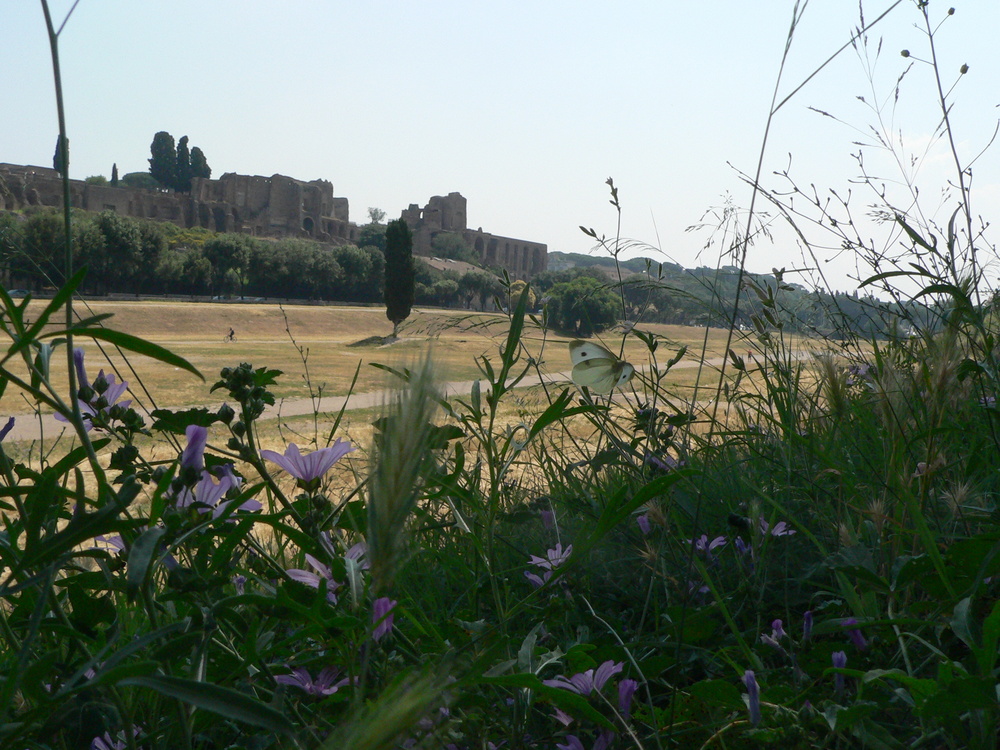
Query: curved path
[(30, 427)]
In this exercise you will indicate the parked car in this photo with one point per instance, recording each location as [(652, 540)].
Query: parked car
[(18, 292)]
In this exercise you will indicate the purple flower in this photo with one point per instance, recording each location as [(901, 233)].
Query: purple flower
[(665, 463), (357, 553), (753, 696), (572, 743), (326, 682), (548, 519), (626, 689), (780, 529), (310, 468), (857, 638), (807, 626), (839, 662), (382, 617), (118, 742), (701, 544), (562, 717), (193, 455), (553, 559), (6, 429), (105, 392), (313, 580), (206, 495), (643, 522), (585, 683), (777, 633), (240, 582)]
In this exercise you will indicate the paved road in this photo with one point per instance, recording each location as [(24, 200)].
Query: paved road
[(30, 427)]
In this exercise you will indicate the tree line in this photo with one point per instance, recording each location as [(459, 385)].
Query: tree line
[(128, 255)]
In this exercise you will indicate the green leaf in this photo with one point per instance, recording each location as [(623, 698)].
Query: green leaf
[(140, 557), (718, 693), (575, 705), (217, 699), (177, 422)]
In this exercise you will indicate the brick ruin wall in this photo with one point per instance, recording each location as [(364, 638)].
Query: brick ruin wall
[(521, 258), (275, 206)]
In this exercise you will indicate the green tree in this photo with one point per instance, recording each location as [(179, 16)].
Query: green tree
[(163, 162), (41, 259), (119, 269), (182, 173), (399, 273), (96, 179), (479, 284), (230, 256), (372, 235), (57, 157), (114, 175), (376, 215), (199, 165), (142, 180), (583, 306)]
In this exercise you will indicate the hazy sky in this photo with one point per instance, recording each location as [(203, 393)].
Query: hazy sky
[(526, 108)]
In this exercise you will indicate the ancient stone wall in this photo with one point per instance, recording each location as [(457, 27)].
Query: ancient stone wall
[(522, 259), (275, 206)]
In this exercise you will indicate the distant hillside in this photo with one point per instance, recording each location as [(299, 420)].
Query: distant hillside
[(670, 293)]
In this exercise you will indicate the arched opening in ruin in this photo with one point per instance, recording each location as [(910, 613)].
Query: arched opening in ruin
[(307, 225)]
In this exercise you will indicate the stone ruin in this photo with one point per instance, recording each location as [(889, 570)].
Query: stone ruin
[(276, 206), (521, 258)]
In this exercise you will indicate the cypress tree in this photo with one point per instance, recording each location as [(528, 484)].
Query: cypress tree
[(114, 175), (399, 273), (57, 157), (199, 166), (163, 164), (183, 169)]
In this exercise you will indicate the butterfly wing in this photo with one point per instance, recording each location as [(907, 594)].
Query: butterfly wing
[(602, 375), (584, 351), (596, 368)]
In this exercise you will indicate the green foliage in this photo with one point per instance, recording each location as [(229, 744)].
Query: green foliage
[(163, 162), (399, 273), (183, 171), (372, 235), (114, 175), (143, 180), (582, 307), (805, 555), (97, 179), (199, 164)]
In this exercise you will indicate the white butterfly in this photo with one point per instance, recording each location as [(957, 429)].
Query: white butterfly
[(597, 368)]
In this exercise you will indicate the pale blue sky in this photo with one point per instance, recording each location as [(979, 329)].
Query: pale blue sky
[(523, 107)]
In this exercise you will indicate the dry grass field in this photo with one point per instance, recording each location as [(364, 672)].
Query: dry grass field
[(321, 348), (334, 343)]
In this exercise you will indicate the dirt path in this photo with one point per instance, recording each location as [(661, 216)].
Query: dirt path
[(31, 427)]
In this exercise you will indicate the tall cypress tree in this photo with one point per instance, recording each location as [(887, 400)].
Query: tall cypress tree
[(399, 273), (199, 166), (57, 157), (183, 169), (114, 175), (163, 164)]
